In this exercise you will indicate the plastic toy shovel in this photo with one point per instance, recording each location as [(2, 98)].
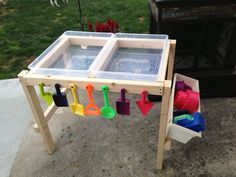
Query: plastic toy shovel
[(107, 111), (91, 108), (46, 96), (144, 105), (122, 104), (59, 97), (75, 106)]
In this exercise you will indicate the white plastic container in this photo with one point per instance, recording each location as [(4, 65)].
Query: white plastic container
[(175, 131)]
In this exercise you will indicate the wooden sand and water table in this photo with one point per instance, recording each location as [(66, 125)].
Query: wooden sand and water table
[(126, 63)]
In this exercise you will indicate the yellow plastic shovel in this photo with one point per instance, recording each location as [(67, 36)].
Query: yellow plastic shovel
[(75, 106)]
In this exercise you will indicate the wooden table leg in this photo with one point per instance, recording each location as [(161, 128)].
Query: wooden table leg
[(171, 60), (163, 123), (38, 114)]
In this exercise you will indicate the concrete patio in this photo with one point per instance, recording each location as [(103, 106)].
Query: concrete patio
[(14, 122), (125, 147)]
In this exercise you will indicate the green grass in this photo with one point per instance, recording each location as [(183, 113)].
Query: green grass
[(28, 27)]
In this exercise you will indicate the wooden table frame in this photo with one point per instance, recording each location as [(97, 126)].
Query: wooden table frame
[(161, 87)]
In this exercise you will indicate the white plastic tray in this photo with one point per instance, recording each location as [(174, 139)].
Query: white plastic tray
[(175, 131)]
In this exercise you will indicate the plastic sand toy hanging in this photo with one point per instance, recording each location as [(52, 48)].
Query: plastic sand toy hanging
[(46, 96)]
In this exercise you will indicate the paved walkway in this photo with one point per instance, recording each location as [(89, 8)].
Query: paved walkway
[(14, 120)]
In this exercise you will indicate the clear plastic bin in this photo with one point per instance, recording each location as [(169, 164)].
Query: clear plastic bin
[(71, 54), (135, 57), (138, 61), (103, 55), (76, 58), (133, 64)]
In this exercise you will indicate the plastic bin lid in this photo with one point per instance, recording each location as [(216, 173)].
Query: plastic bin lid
[(142, 36)]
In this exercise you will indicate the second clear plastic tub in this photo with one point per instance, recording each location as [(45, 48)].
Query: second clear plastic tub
[(133, 64), (134, 57)]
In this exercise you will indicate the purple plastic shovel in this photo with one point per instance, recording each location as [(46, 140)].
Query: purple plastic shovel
[(123, 104)]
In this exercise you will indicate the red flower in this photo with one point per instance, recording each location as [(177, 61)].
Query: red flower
[(113, 26), (109, 22), (102, 27), (90, 26), (97, 27), (109, 26)]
